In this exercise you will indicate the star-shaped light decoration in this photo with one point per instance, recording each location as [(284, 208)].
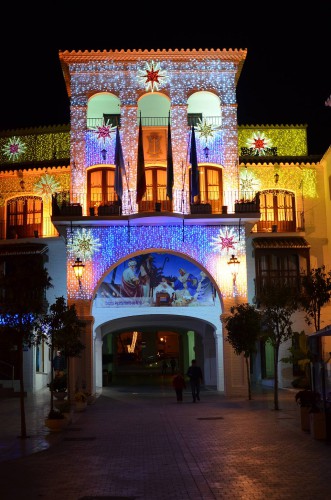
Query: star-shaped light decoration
[(259, 143), (225, 241), (152, 76), (248, 182), (84, 244), (205, 129), (14, 148), (46, 186), (103, 133)]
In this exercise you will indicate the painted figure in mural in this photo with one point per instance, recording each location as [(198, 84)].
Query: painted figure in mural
[(131, 286), (165, 288), (145, 273), (204, 289), (185, 285)]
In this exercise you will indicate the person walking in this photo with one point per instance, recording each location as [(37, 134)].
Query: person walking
[(194, 373), (179, 385)]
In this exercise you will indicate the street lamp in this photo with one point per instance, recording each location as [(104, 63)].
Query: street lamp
[(234, 263), (78, 268)]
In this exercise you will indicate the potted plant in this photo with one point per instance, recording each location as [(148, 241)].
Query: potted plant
[(59, 386), (56, 420), (308, 401), (80, 399)]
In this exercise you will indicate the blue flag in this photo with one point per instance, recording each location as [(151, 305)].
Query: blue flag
[(141, 177), (170, 164), (120, 166), (195, 188)]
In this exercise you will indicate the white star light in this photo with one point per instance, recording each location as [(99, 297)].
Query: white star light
[(14, 148), (84, 244), (46, 186), (248, 182), (205, 129), (152, 77), (259, 143)]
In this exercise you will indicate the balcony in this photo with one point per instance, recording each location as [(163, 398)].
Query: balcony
[(154, 121)]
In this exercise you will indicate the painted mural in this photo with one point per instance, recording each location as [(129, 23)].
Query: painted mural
[(156, 280)]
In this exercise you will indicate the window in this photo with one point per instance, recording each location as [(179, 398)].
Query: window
[(101, 187), (280, 261), (211, 187), (156, 190), (24, 217), (277, 209)]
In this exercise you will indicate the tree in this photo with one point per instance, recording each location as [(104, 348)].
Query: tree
[(23, 284), (244, 328), (316, 293), (278, 304), (301, 355), (61, 328)]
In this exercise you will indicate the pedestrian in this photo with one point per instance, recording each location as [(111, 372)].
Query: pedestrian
[(179, 385), (194, 373), (173, 365), (59, 364)]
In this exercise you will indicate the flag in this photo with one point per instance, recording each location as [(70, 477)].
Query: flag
[(195, 189), (170, 164), (141, 178), (120, 166)]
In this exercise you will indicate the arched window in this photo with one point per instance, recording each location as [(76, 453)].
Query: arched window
[(24, 217), (101, 186)]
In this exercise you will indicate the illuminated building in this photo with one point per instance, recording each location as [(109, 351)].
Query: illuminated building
[(260, 197)]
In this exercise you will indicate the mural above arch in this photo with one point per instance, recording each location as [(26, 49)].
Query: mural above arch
[(156, 279)]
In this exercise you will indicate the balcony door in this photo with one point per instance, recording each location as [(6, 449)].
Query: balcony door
[(24, 217), (101, 187), (211, 187), (156, 190), (277, 209)]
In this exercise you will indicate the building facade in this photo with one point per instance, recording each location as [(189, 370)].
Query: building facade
[(172, 212)]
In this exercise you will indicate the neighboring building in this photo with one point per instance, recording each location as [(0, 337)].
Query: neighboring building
[(261, 208)]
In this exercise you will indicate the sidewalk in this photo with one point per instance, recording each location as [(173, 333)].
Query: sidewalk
[(139, 443)]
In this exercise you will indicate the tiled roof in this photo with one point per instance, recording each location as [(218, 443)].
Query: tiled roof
[(277, 242)]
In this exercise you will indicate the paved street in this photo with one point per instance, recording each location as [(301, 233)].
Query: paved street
[(139, 443)]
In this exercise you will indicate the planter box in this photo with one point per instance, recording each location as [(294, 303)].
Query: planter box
[(318, 425), (246, 207), (109, 210), (200, 208), (72, 209)]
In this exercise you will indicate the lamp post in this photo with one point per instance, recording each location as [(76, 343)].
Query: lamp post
[(234, 263), (78, 268)]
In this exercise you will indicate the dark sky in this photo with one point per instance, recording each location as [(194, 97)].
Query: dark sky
[(285, 78)]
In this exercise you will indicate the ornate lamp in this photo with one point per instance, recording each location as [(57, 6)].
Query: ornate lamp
[(234, 263), (78, 268)]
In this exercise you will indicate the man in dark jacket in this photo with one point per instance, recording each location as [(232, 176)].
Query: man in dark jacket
[(195, 375)]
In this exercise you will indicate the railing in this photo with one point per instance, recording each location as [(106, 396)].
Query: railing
[(157, 121)]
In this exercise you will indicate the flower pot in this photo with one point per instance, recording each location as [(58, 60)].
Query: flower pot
[(80, 405), (305, 418), (56, 424), (318, 425), (60, 394)]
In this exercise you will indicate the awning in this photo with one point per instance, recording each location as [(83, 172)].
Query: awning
[(22, 249), (326, 332), (277, 242)]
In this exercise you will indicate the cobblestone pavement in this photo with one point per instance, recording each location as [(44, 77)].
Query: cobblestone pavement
[(140, 444)]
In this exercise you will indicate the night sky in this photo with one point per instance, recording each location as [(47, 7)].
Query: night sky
[(285, 79)]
